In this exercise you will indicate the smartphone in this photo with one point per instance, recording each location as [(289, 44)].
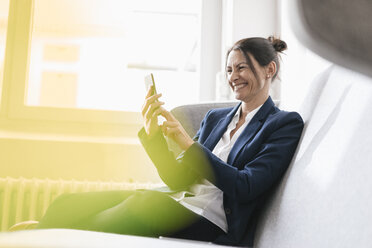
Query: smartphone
[(149, 81)]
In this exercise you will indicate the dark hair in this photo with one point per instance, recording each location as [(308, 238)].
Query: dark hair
[(263, 50)]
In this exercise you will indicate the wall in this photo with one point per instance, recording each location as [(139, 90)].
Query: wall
[(249, 18)]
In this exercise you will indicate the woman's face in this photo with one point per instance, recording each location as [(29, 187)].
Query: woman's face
[(242, 79)]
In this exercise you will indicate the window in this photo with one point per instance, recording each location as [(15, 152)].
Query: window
[(84, 60), (97, 59)]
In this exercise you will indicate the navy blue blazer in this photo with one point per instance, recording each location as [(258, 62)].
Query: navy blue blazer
[(256, 162)]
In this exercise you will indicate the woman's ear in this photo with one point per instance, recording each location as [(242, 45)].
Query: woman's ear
[(270, 69)]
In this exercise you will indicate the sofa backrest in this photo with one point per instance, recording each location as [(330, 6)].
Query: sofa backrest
[(325, 197), (337, 30), (191, 115)]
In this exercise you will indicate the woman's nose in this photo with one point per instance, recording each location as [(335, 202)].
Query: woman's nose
[(234, 76)]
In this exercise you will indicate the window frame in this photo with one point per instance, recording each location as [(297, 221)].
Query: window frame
[(16, 70)]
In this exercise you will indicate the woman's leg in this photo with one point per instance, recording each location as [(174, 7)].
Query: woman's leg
[(145, 213), (68, 210)]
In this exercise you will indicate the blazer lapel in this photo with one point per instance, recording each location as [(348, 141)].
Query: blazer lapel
[(250, 130), (219, 129)]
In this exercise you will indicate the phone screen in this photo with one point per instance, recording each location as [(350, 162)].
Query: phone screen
[(149, 81)]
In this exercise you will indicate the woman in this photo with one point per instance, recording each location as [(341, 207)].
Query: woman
[(219, 182)]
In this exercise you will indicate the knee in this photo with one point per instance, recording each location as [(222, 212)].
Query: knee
[(62, 200), (148, 201), (148, 197)]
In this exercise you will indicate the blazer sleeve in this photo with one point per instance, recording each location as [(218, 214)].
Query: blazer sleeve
[(174, 173), (258, 174)]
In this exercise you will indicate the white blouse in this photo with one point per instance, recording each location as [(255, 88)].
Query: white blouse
[(206, 199)]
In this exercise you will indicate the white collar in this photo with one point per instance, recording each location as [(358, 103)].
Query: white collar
[(249, 115)]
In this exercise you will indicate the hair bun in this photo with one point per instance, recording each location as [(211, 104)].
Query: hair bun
[(278, 44)]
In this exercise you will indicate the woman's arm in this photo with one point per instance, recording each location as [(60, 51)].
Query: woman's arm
[(173, 172)]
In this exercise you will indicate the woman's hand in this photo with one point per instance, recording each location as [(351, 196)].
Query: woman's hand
[(150, 111), (173, 129)]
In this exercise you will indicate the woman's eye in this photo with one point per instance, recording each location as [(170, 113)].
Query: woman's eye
[(242, 67)]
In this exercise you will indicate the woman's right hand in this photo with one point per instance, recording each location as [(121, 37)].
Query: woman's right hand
[(150, 111)]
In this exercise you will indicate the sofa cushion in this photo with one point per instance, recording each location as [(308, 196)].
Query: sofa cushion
[(68, 238)]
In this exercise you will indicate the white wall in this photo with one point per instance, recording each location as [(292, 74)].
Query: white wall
[(249, 18)]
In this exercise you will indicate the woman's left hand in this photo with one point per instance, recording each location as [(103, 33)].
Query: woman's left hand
[(173, 129)]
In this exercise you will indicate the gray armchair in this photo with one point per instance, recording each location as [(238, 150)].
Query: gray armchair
[(191, 115)]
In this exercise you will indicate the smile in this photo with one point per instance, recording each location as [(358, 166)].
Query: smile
[(239, 86)]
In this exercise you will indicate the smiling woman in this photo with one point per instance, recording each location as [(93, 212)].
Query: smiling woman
[(252, 64), (218, 184)]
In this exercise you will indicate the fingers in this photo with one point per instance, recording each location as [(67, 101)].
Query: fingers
[(170, 124), (151, 96), (170, 127), (157, 112), (170, 131), (151, 91), (154, 110), (168, 115), (175, 131), (149, 100)]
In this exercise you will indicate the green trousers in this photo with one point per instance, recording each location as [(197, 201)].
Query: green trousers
[(143, 213)]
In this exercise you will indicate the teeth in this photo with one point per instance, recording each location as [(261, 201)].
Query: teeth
[(239, 86)]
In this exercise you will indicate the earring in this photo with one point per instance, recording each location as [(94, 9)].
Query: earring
[(268, 76)]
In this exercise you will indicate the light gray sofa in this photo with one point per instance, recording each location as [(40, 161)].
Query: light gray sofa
[(325, 197)]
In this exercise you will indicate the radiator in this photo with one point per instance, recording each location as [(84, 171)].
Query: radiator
[(27, 199)]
